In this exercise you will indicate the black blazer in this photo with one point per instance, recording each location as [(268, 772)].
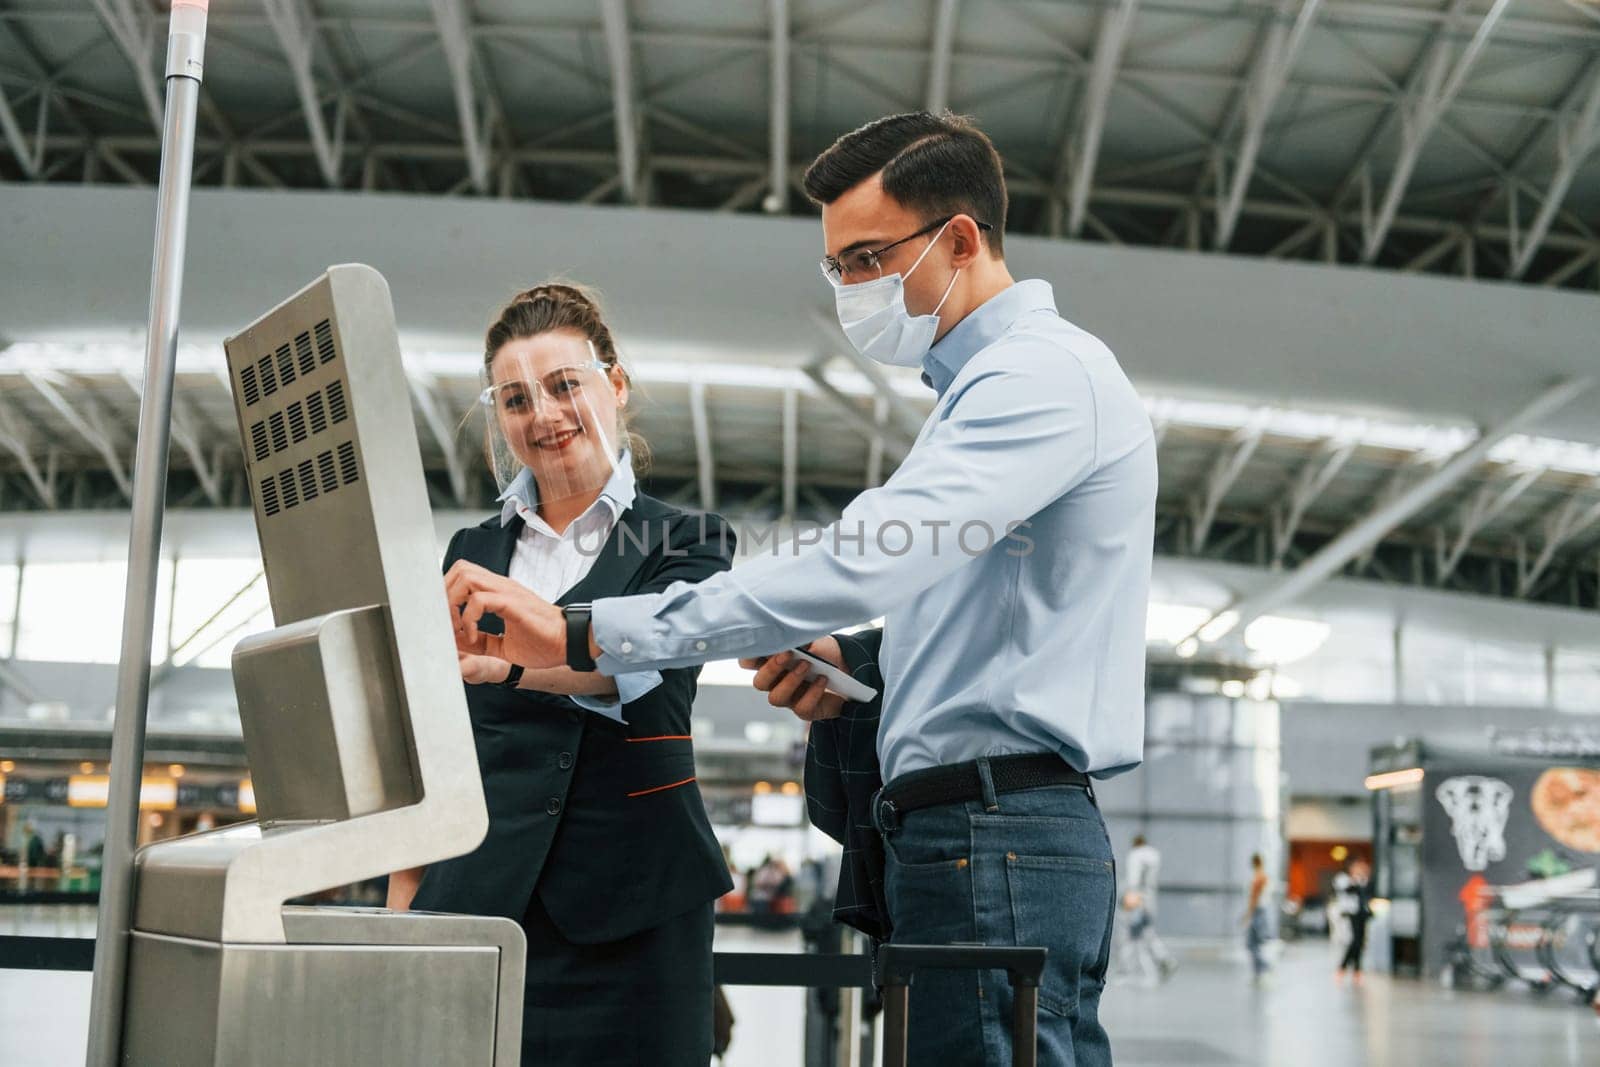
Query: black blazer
[(603, 821)]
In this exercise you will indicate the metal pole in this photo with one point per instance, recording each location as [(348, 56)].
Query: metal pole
[(896, 1019), (777, 200), (185, 66), (1024, 1024)]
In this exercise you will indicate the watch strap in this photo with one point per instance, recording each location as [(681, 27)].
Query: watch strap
[(512, 679), (577, 616)]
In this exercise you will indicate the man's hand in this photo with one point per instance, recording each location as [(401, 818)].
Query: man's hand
[(482, 670), (535, 632), (783, 678)]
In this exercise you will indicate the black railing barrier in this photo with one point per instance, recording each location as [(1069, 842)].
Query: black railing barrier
[(46, 953), (822, 970)]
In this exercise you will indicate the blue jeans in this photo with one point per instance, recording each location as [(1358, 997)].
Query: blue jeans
[(1027, 868), (1256, 938)]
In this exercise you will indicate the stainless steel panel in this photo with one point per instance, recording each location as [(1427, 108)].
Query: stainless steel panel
[(200, 1004), (378, 926), (172, 1008), (310, 479), (324, 727), (183, 884), (318, 373)]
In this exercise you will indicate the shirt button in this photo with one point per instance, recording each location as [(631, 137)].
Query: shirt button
[(627, 647), (553, 806), (565, 760), (700, 646)]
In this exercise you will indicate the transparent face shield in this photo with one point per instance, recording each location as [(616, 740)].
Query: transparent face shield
[(552, 408)]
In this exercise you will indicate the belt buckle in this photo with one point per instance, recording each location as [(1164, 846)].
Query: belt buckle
[(888, 814)]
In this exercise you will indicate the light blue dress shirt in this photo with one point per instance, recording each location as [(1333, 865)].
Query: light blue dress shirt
[(1034, 645), (616, 496)]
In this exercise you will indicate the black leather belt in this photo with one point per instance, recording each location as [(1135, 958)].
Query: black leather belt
[(957, 783)]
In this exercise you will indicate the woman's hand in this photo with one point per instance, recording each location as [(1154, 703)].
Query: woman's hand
[(535, 632), (403, 887), (483, 670)]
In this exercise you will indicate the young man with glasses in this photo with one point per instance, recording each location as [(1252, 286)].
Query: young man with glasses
[(1009, 674)]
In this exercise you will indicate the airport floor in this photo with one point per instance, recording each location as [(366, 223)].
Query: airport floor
[(1207, 1015)]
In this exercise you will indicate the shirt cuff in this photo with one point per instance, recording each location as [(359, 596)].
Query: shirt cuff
[(630, 687), (632, 638)]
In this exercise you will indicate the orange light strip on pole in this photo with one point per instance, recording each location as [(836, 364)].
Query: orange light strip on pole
[(247, 797), (1393, 779)]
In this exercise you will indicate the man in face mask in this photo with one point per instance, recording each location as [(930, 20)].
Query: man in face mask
[(1010, 555)]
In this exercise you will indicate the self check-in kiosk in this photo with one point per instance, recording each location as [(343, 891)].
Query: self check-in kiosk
[(356, 730)]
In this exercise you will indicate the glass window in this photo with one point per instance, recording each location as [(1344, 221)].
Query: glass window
[(1355, 664), (72, 612), (1578, 681), (1437, 667), (8, 602), (219, 602), (1506, 674)]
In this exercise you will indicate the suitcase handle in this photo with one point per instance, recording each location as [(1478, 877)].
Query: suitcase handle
[(895, 964)]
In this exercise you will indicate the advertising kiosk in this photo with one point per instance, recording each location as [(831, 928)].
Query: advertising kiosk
[(1488, 856)]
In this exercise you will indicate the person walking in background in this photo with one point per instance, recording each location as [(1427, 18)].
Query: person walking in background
[(1338, 917), (1357, 908), (1148, 954), (33, 850), (1257, 919)]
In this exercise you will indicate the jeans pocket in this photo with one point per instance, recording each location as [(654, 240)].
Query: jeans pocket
[(930, 903), (1063, 904)]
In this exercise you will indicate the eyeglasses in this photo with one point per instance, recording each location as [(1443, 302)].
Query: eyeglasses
[(865, 264), (520, 396)]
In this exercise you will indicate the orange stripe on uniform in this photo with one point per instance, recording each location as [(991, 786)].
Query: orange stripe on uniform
[(659, 788), (664, 737)]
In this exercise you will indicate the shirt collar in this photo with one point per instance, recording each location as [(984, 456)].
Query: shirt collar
[(981, 328), (617, 494)]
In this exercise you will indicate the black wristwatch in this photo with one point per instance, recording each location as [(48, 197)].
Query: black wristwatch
[(511, 680), (577, 616)]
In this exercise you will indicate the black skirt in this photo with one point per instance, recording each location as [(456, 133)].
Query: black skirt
[(643, 1000)]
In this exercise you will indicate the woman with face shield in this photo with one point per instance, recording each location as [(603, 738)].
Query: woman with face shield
[(598, 843)]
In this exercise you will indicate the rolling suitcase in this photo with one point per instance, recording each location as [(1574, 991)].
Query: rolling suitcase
[(895, 964)]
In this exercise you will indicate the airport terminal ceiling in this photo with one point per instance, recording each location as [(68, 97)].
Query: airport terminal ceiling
[(1444, 137)]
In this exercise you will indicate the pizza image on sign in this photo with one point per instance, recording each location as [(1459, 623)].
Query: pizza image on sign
[(1566, 801)]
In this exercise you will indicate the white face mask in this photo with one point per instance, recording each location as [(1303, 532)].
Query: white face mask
[(873, 315)]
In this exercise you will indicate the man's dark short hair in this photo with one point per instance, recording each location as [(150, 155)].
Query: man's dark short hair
[(933, 164)]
